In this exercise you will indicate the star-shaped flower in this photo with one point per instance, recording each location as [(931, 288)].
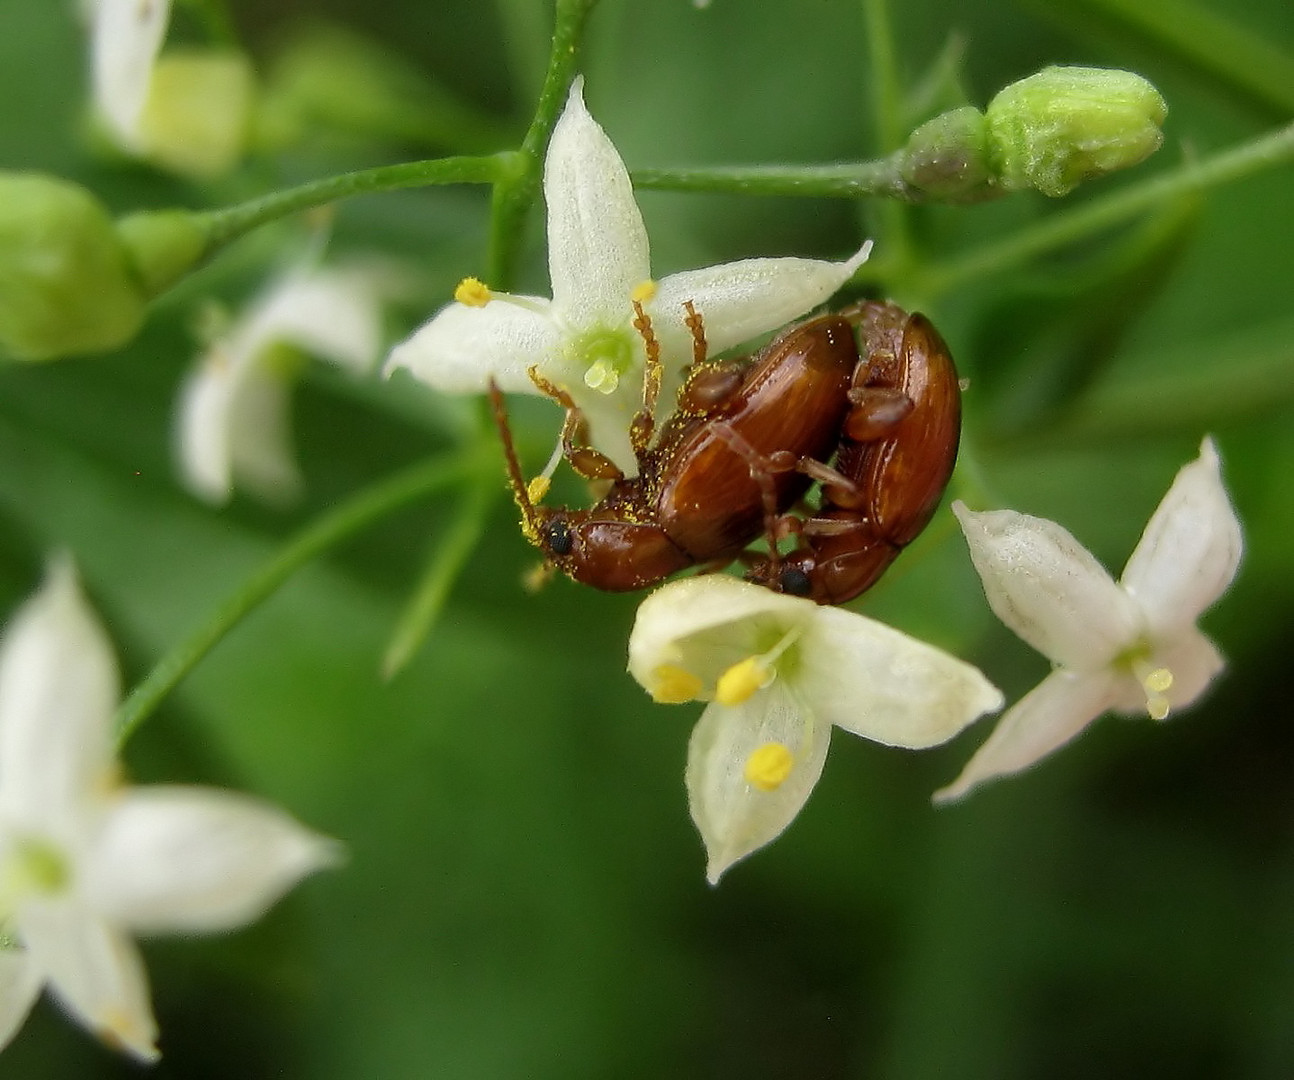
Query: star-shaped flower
[(583, 339), (779, 671), (84, 862), (232, 425), (1127, 647)]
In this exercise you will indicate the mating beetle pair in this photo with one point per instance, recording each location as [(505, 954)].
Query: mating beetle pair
[(871, 387)]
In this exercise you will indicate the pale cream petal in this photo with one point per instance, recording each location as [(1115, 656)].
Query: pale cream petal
[(597, 243), (202, 429), (180, 859), (1050, 715), (1192, 660), (462, 348), (331, 313), (740, 300), (706, 624), (1190, 550), (58, 690), (1048, 588), (20, 983), (95, 972), (877, 682), (125, 39), (261, 452), (734, 817)]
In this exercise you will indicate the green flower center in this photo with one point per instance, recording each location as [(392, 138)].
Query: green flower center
[(604, 355), (32, 867)]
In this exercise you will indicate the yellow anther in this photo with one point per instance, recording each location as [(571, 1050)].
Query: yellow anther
[(742, 680), (537, 577), (538, 488), (602, 377), (674, 685), (472, 292), (643, 291), (768, 766), (1157, 681)]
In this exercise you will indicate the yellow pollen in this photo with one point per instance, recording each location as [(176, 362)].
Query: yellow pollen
[(768, 766), (602, 377), (674, 685), (537, 577), (472, 292), (643, 291), (538, 488), (742, 680)]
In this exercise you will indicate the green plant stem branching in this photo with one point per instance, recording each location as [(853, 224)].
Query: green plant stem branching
[(327, 532)]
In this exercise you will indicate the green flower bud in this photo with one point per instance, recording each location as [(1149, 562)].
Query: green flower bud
[(66, 281), (947, 158), (162, 245), (1064, 125), (196, 119)]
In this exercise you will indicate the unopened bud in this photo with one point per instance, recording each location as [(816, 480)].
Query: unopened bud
[(162, 245), (947, 158), (1064, 125), (196, 119), (66, 280)]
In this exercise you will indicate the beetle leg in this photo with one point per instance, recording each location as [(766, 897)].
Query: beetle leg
[(833, 482), (762, 470), (517, 481), (588, 462), (877, 410), (644, 421)]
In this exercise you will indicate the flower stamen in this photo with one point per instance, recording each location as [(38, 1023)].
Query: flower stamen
[(602, 376), (473, 292), (673, 685), (744, 678), (1154, 681), (768, 766)]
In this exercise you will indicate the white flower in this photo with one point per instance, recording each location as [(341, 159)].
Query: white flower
[(187, 111), (583, 339), (233, 416), (779, 671), (84, 862), (1128, 647)]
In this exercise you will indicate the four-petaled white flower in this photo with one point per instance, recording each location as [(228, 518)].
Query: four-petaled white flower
[(233, 423), (1127, 647), (583, 339), (187, 111), (779, 672), (85, 862)]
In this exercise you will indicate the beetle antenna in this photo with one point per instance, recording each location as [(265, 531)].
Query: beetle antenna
[(700, 350), (516, 480), (644, 421)]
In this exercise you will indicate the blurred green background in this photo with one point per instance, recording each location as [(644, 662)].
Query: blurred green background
[(524, 896)]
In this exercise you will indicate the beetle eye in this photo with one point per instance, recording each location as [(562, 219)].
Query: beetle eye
[(794, 582), (557, 537)]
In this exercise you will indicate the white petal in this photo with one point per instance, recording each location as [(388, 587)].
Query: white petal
[(233, 426), (1048, 588), (331, 313), (58, 689), (741, 300), (462, 347), (1045, 719), (1190, 550), (876, 682), (597, 243), (95, 972), (197, 859), (125, 40), (734, 817), (706, 624), (20, 983)]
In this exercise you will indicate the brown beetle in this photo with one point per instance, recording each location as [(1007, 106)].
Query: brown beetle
[(722, 469), (897, 449)]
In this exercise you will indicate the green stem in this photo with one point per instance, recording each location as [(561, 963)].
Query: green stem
[(887, 114), (328, 531), (231, 222), (1274, 148), (847, 181), (443, 569), (515, 193)]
